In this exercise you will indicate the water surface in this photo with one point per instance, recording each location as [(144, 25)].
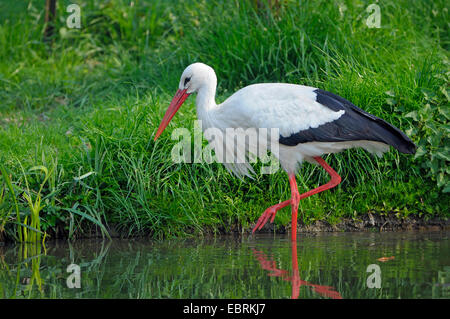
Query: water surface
[(343, 265)]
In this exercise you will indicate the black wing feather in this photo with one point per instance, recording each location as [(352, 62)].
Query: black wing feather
[(355, 124)]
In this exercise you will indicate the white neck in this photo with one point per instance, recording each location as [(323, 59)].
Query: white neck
[(206, 101)]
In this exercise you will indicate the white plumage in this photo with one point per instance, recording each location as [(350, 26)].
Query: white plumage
[(303, 123), (290, 108)]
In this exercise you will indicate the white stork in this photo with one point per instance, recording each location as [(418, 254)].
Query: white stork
[(311, 123)]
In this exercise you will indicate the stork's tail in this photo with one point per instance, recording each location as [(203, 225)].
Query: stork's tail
[(393, 136), (379, 129)]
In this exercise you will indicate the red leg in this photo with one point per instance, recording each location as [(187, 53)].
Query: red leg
[(269, 213), (335, 180), (296, 197), (297, 282)]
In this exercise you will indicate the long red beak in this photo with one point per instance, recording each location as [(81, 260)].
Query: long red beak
[(177, 100)]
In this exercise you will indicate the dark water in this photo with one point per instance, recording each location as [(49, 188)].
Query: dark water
[(344, 265)]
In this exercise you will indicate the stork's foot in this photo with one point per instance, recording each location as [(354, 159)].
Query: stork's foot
[(269, 213), (296, 197)]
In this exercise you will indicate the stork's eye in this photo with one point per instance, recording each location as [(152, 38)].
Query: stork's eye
[(186, 80)]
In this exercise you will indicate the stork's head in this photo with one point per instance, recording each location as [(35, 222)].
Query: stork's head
[(195, 77)]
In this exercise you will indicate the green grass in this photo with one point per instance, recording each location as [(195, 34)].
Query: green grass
[(86, 107)]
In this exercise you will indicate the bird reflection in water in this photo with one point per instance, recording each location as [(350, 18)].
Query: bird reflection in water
[(297, 282)]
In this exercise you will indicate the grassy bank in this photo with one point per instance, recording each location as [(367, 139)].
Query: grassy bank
[(86, 105)]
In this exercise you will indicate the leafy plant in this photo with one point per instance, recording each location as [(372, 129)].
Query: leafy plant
[(430, 125), (34, 201)]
